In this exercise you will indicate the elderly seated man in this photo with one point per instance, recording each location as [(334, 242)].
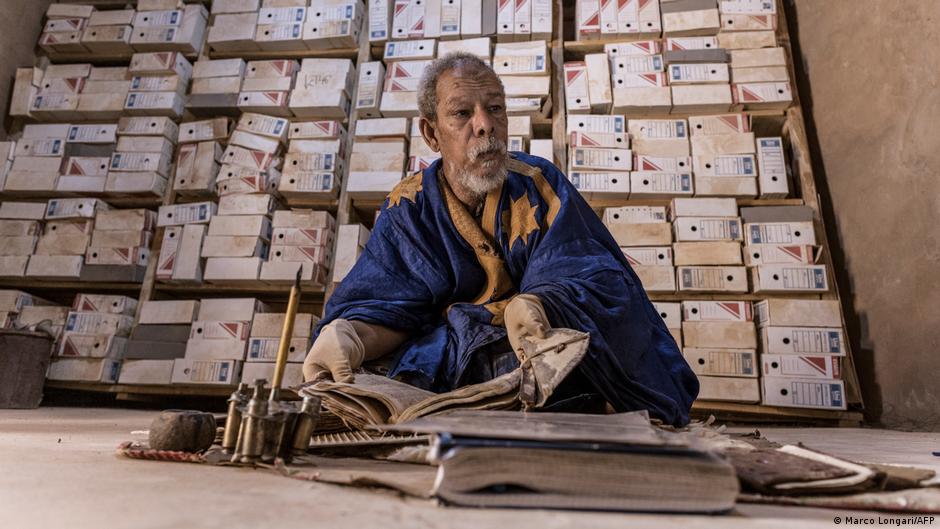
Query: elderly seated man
[(485, 248)]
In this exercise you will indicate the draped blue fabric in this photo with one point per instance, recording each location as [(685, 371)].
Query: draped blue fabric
[(420, 274)]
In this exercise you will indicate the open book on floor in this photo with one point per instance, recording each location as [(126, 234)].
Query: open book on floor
[(374, 400), (572, 461)]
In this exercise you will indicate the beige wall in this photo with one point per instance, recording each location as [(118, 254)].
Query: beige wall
[(21, 22), (873, 71)]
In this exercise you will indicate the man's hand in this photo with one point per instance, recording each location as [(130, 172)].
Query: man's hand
[(525, 318), (337, 351)]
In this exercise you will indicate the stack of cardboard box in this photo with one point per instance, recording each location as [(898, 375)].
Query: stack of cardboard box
[(161, 25), (724, 156), (267, 86), (234, 23), (638, 80), (216, 85), (351, 240), (802, 346), (57, 94), (302, 241), (378, 161), (719, 342), (281, 28), (21, 225), (662, 148), (104, 94), (415, 19), (160, 337), (218, 341), (60, 251), (63, 30), (12, 305), (324, 89), (94, 339), (159, 81), (400, 89), (88, 151), (604, 19), (121, 238), (334, 24), (143, 158), (645, 238), (698, 75), (180, 257), (525, 70), (38, 157), (201, 144), (780, 250), (599, 139), (266, 339), (109, 32), (707, 251), (239, 236), (319, 148)]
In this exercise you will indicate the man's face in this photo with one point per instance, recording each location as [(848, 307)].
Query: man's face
[(471, 129)]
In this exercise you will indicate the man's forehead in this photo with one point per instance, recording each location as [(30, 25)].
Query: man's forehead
[(460, 83)]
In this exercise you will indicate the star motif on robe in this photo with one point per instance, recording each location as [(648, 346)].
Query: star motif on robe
[(522, 220), (407, 188)]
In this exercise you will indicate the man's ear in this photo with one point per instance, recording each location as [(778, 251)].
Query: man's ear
[(429, 132)]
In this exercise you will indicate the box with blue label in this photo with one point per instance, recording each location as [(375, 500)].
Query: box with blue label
[(803, 393), (722, 362), (84, 369), (206, 372), (802, 366), (802, 340), (789, 278)]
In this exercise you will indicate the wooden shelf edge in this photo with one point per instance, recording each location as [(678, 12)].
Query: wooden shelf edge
[(161, 390), (261, 55), (737, 410)]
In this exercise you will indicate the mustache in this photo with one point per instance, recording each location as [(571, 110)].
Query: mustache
[(491, 145)]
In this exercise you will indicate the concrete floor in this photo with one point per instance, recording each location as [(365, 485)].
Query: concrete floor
[(60, 470)]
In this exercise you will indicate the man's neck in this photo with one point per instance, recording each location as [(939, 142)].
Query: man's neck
[(470, 200)]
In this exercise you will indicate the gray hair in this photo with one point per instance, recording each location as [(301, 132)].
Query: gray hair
[(427, 88)]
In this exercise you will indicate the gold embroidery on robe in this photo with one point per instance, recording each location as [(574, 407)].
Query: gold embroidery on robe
[(407, 188), (498, 281)]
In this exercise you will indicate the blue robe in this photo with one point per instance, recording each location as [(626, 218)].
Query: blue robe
[(432, 270)]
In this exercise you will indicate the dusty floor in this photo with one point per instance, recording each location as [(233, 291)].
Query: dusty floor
[(59, 470)]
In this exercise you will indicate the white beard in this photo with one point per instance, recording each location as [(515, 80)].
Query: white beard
[(481, 182), (490, 174)]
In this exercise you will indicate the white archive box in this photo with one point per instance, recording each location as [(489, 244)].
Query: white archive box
[(84, 369), (803, 340), (828, 367), (760, 254), (648, 255), (732, 389), (690, 18), (293, 373), (798, 313), (230, 309), (720, 334), (168, 312), (262, 349), (647, 234), (689, 229), (150, 372), (648, 184), (707, 253), (712, 278), (671, 313), (792, 233), (694, 310), (789, 278), (722, 362), (210, 372), (803, 393), (635, 215), (656, 278), (105, 303), (76, 345)]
